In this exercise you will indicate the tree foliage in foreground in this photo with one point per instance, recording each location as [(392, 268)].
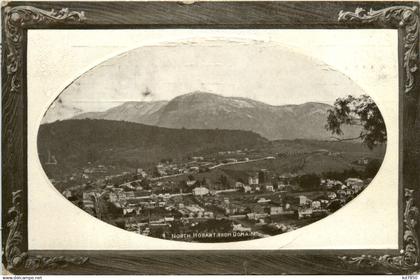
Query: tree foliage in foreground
[(361, 111)]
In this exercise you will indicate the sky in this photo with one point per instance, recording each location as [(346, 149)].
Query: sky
[(265, 71)]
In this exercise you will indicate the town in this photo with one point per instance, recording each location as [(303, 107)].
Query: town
[(204, 199)]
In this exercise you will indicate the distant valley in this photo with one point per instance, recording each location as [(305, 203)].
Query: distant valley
[(76, 143)]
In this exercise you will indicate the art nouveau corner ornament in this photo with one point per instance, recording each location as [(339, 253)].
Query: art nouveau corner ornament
[(16, 258), (408, 259), (18, 18), (397, 16)]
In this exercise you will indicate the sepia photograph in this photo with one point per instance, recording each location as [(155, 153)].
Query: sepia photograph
[(191, 142), (210, 138)]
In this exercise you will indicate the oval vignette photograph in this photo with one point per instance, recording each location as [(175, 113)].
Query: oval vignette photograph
[(212, 140)]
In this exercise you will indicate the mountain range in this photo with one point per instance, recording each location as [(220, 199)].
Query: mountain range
[(202, 110)]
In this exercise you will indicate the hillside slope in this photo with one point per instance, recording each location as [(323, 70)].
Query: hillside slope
[(77, 142)]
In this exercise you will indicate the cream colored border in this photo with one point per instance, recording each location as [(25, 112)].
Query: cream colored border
[(359, 225)]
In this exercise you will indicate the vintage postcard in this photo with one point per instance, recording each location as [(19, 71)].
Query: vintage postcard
[(224, 137), (207, 131)]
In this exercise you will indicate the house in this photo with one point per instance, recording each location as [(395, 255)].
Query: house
[(200, 191), (353, 181), (194, 169), (276, 210), (161, 173), (281, 187), (141, 172), (357, 188), (113, 197), (67, 193), (122, 196), (128, 210), (263, 200), (88, 195), (259, 209), (324, 202), (303, 200), (304, 212), (356, 184), (169, 207), (256, 216), (131, 225), (197, 158), (277, 226), (349, 192), (246, 189), (316, 204), (191, 182), (208, 214), (129, 194), (239, 185), (269, 188), (241, 228), (363, 161), (195, 210), (284, 179), (183, 212), (168, 219), (88, 200), (341, 193), (253, 180), (329, 183), (128, 186)]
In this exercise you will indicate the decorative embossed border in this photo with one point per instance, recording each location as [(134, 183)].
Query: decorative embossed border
[(408, 19), (20, 16)]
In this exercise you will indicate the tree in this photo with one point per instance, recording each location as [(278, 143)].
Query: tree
[(92, 155), (262, 176), (204, 181), (361, 111), (224, 181), (334, 205), (372, 168), (309, 181)]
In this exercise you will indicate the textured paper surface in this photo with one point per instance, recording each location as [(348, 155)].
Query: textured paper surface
[(368, 57)]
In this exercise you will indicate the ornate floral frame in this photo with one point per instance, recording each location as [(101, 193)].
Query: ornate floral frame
[(19, 17)]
